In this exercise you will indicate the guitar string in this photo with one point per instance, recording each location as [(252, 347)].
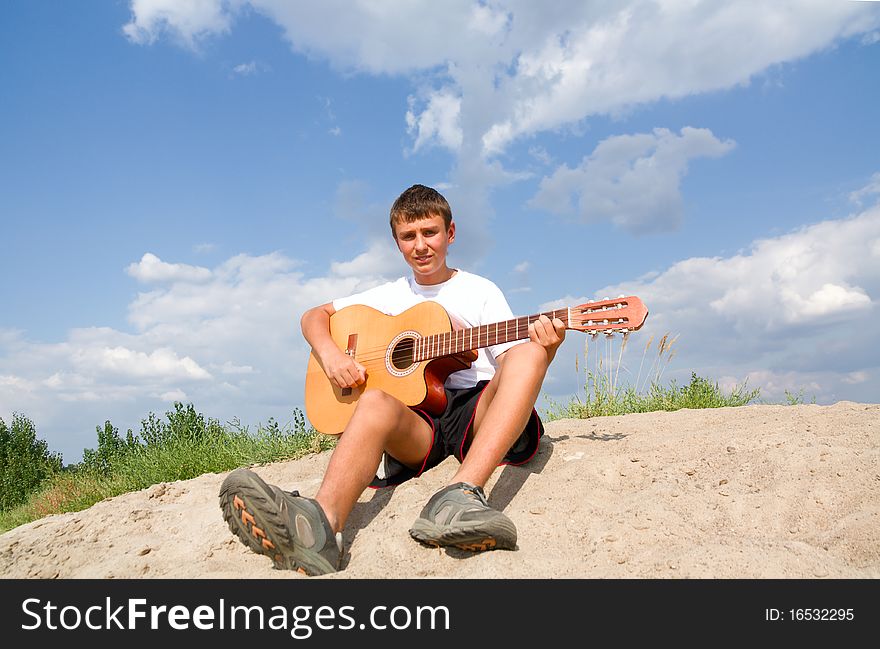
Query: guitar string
[(379, 353), (378, 362), (460, 334), (369, 358), (446, 341)]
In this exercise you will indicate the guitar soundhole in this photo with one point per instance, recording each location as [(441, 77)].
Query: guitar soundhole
[(403, 353)]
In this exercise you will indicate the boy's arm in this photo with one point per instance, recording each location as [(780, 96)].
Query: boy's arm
[(342, 370)]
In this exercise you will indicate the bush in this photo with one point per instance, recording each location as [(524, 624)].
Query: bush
[(25, 461), (111, 449), (184, 423), (183, 427)]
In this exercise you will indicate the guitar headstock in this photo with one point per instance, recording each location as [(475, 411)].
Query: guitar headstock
[(609, 316)]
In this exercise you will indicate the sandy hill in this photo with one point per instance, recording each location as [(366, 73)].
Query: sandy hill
[(750, 492)]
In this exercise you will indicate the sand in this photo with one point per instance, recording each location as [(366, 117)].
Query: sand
[(751, 492)]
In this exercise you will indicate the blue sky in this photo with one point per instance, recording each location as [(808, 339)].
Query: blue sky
[(180, 180)]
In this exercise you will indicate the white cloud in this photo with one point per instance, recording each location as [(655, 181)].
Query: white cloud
[(10, 382), (828, 300), (150, 269), (793, 311), (871, 189), (806, 277), (232, 368), (511, 68), (487, 74), (188, 22), (519, 278), (381, 259), (777, 384), (854, 378), (120, 361), (246, 69), (230, 343), (376, 37), (329, 116), (636, 52), (438, 122), (203, 248), (632, 180), (540, 154), (173, 395)]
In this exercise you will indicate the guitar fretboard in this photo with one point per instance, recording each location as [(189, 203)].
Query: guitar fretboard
[(496, 333)]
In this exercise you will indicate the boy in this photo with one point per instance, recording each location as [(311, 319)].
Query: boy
[(489, 419)]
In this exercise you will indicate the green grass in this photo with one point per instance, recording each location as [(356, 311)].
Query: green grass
[(605, 393), (173, 452), (797, 399)]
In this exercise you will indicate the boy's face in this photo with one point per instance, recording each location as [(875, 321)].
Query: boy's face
[(423, 244)]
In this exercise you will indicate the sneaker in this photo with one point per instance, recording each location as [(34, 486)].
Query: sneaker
[(460, 516), (291, 530)]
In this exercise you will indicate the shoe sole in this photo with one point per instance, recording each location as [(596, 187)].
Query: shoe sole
[(501, 536), (249, 509)]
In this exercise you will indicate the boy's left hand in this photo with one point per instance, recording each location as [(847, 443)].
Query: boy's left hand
[(549, 334)]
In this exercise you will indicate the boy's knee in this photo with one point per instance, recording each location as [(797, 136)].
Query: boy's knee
[(375, 415), (529, 352), (377, 401)]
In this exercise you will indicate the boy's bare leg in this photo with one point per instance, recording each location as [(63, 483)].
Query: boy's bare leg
[(380, 423), (503, 411), (459, 515)]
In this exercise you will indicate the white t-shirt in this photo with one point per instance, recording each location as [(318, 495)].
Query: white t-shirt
[(470, 300)]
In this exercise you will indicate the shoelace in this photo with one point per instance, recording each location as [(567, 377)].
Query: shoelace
[(477, 492)]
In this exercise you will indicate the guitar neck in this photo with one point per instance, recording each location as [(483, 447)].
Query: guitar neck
[(497, 333)]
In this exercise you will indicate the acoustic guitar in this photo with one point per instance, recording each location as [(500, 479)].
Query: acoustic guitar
[(410, 355)]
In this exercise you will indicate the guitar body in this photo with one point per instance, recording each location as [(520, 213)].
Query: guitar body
[(383, 344)]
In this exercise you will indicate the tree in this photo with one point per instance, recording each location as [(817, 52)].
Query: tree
[(111, 449), (25, 461)]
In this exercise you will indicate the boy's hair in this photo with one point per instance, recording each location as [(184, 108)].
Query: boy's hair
[(419, 202)]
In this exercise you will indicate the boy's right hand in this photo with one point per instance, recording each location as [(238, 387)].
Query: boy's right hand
[(343, 371)]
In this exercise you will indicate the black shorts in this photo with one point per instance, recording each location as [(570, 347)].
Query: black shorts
[(450, 431)]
